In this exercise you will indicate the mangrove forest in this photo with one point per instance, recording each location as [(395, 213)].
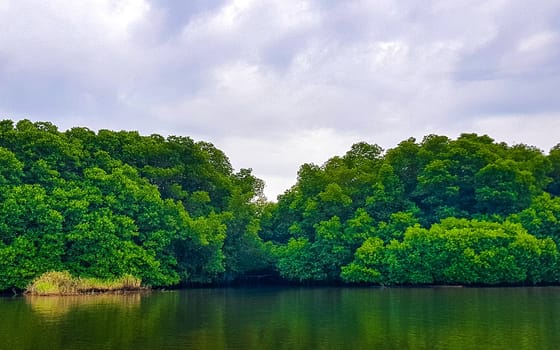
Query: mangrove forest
[(171, 211)]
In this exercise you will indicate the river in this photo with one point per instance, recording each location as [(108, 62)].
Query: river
[(288, 318)]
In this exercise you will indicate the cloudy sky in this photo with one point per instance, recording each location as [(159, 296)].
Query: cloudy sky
[(277, 83)]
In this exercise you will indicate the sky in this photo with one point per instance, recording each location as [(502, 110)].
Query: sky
[(278, 83)]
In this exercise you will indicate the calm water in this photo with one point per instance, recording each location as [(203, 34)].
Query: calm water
[(288, 318)]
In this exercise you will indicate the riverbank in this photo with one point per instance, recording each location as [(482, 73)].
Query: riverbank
[(57, 283)]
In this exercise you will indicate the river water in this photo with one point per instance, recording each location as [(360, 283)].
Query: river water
[(288, 318)]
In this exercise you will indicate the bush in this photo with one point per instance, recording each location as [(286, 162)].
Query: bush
[(63, 283), (53, 283)]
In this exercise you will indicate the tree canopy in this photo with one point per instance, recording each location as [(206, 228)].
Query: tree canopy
[(173, 211), (168, 210), (439, 211)]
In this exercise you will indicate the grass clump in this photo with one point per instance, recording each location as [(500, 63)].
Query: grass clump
[(53, 283), (63, 283), (126, 282)]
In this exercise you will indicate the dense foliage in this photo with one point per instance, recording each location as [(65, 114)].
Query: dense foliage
[(442, 211), (108, 204), (172, 211)]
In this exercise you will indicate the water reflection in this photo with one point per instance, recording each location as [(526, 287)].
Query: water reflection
[(55, 307), (288, 318)]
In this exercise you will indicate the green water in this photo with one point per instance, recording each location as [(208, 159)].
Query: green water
[(288, 318)]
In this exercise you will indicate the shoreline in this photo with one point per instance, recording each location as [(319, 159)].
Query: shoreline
[(143, 290), (147, 290)]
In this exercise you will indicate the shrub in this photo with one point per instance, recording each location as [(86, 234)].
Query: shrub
[(63, 283), (53, 283)]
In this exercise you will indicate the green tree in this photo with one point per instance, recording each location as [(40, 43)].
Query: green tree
[(502, 188), (437, 192), (554, 172), (542, 218)]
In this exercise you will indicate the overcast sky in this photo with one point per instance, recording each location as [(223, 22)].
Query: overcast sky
[(279, 83)]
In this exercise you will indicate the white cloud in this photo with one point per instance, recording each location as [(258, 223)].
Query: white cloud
[(517, 128), (277, 160), (537, 41)]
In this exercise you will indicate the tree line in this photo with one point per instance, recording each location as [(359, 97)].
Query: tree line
[(173, 211)]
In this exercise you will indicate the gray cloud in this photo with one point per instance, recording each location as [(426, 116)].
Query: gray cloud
[(278, 83), (175, 14)]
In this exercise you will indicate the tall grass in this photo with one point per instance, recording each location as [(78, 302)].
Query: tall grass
[(63, 283)]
